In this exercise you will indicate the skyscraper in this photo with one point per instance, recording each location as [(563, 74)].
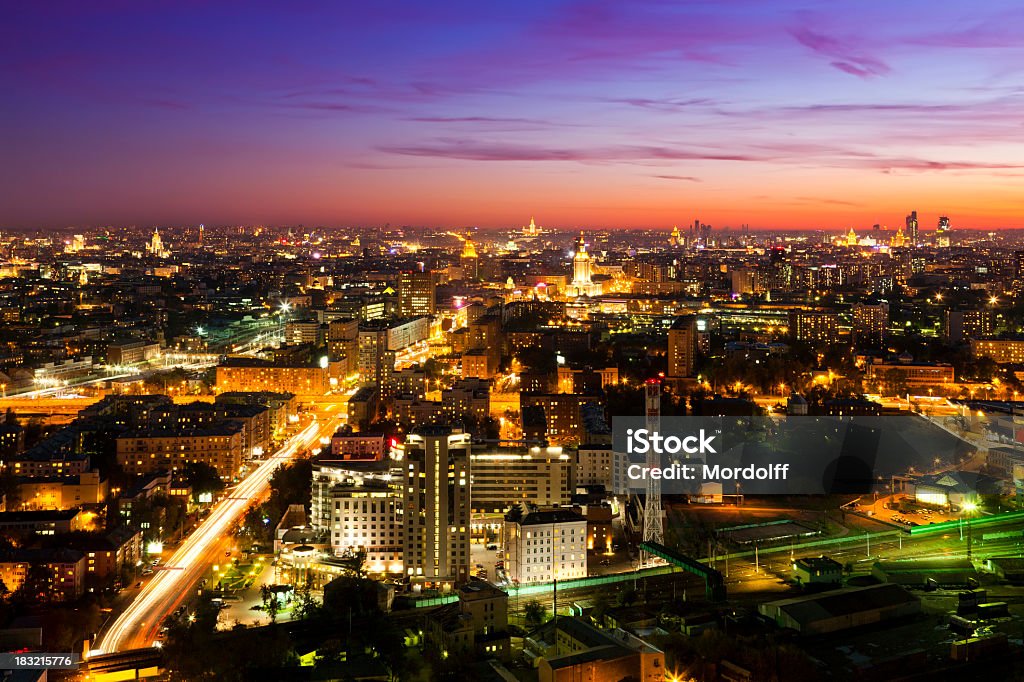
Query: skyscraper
[(436, 505), (416, 293), (912, 231), (942, 232)]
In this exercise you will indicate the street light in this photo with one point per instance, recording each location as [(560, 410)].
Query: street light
[(967, 508)]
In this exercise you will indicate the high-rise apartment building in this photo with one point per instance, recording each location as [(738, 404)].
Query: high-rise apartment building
[(870, 322), (682, 347), (416, 294), (376, 361), (435, 463), (961, 325), (814, 326)]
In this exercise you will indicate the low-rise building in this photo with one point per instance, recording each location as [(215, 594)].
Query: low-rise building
[(917, 375), (110, 555), (924, 572), (476, 624), (145, 487), (62, 577), (370, 446), (1002, 351), (569, 649), (59, 492), (952, 489), (363, 405), (507, 476), (144, 451), (544, 545), (467, 397), (45, 461), (563, 415), (840, 610), (817, 571), (132, 352), (253, 375), (45, 522), (255, 421), (595, 465), (281, 405), (12, 439)]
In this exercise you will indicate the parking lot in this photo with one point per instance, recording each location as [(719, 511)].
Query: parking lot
[(887, 509)]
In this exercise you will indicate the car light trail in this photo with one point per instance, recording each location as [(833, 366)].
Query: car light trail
[(156, 598)]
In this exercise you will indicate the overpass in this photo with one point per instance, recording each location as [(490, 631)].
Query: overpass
[(714, 582), (133, 664)]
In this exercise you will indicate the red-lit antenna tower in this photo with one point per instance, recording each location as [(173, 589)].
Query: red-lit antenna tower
[(653, 530)]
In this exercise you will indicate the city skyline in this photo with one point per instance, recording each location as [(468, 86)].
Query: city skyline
[(797, 116)]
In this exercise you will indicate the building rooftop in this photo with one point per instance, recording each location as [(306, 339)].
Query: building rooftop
[(39, 516), (924, 565), (844, 602), (543, 516), (227, 428), (819, 563), (962, 482)]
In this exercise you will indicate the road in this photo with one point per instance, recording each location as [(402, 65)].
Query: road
[(139, 623)]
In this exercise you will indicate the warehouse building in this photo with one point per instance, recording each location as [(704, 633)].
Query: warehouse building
[(924, 572), (840, 610)]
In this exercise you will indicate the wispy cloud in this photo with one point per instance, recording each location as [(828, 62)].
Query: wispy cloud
[(470, 150), (842, 56), (686, 178), (664, 104)]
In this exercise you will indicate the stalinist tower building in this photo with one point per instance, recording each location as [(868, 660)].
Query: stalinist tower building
[(470, 260), (582, 269)]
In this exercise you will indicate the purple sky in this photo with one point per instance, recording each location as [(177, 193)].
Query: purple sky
[(780, 114)]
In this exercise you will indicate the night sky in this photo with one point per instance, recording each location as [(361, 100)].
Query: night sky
[(595, 114)]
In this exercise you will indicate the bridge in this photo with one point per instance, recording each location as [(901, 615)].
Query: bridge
[(134, 664), (714, 582)]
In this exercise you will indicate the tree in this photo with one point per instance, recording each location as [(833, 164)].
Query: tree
[(535, 613), (11, 419), (35, 589), (271, 605), (305, 606), (354, 563), (628, 597), (895, 382), (329, 654), (202, 478)]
